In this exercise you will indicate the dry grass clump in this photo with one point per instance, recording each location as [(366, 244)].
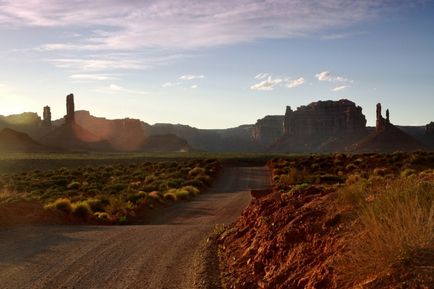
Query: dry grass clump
[(63, 205), (81, 209), (397, 223)]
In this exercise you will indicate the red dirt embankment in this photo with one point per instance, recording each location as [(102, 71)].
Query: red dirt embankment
[(282, 241)]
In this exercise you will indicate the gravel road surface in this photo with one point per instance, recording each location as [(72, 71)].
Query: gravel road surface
[(159, 255)]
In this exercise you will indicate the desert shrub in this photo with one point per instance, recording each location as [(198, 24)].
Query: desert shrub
[(407, 172), (96, 205), (174, 183), (73, 185), (136, 197), (196, 171), (398, 223), (351, 167), (332, 179), (380, 171), (192, 190), (62, 204), (170, 195), (205, 179), (195, 183), (354, 192), (155, 197), (116, 188), (81, 209), (103, 216), (182, 194)]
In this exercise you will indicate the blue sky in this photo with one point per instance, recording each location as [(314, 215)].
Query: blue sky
[(217, 64)]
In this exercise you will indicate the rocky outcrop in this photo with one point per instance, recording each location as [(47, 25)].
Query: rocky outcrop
[(322, 126), (268, 130), (70, 108), (381, 122), (387, 138), (430, 129), (46, 117), (73, 137)]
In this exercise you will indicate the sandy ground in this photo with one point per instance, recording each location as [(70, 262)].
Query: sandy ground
[(160, 254)]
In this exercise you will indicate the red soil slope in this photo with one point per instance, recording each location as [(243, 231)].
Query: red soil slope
[(282, 242)]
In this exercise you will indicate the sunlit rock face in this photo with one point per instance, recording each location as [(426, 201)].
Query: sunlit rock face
[(123, 134), (321, 126)]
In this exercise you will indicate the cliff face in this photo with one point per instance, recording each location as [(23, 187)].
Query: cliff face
[(268, 130), (321, 126), (324, 118)]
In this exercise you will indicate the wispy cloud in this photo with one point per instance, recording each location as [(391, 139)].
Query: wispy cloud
[(295, 82), (169, 84), (188, 24), (80, 64), (191, 77), (115, 88), (327, 76), (90, 77), (262, 75), (267, 84), (340, 88), (194, 86)]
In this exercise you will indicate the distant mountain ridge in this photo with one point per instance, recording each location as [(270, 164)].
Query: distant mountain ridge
[(322, 126)]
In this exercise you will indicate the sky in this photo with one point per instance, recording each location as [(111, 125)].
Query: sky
[(217, 64)]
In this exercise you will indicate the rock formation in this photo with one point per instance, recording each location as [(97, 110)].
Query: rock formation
[(73, 137), (269, 129), (430, 129), (321, 126), (381, 122), (387, 138), (46, 118), (70, 108), (324, 118)]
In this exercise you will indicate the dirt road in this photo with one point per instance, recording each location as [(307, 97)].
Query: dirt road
[(157, 255)]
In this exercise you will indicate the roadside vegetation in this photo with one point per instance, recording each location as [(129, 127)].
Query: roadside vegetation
[(110, 193), (337, 221)]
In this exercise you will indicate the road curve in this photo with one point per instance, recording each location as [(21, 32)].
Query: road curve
[(157, 255)]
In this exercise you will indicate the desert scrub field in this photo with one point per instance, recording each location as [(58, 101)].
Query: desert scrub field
[(111, 193), (334, 169)]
